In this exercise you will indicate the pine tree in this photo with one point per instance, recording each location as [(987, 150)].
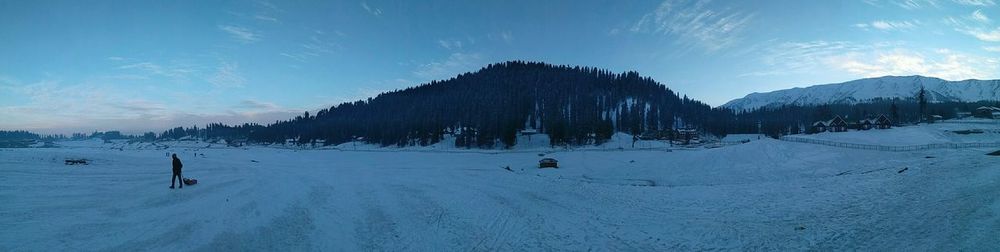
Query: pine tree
[(922, 99)]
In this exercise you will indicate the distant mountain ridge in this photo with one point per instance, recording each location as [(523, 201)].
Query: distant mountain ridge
[(861, 90)]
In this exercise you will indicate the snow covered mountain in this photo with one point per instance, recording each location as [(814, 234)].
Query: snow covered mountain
[(867, 89)]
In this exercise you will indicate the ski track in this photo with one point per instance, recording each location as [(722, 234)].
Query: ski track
[(766, 195)]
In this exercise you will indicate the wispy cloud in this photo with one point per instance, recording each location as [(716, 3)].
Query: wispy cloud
[(157, 69), (455, 64), (889, 25), (915, 4), (267, 6), (371, 10), (695, 24), (980, 17), (805, 57), (227, 76), (985, 35), (874, 60), (976, 2), (450, 44), (242, 34), (944, 64), (977, 25), (992, 48), (318, 44), (266, 18)]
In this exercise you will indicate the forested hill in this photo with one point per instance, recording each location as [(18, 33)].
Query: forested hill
[(489, 107)]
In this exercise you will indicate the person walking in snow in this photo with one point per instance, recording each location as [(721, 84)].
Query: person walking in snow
[(177, 172)]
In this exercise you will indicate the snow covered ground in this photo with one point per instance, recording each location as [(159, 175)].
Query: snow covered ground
[(942, 132), (763, 195)]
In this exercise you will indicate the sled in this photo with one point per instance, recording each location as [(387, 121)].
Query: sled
[(188, 181)]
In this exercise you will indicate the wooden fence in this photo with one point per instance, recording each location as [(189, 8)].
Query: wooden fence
[(891, 147)]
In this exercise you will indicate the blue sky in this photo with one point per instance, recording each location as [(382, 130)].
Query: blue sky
[(68, 66)]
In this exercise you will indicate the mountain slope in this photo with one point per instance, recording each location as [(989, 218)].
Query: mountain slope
[(867, 89), (487, 108)]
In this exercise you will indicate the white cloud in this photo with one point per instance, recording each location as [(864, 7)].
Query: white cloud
[(227, 76), (889, 25), (984, 35), (694, 24), (268, 6), (945, 64), (976, 2), (979, 16), (455, 64), (240, 33), (295, 56), (266, 18), (371, 10), (992, 48), (873, 60), (450, 44), (505, 36), (317, 45), (56, 107), (978, 28), (915, 4), (156, 69)]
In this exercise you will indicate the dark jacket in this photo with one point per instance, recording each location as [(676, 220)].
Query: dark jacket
[(177, 165)]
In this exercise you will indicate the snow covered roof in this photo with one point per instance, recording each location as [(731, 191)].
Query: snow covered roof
[(830, 122)]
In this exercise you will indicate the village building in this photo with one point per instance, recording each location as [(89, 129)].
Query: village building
[(987, 112), (837, 124), (882, 122)]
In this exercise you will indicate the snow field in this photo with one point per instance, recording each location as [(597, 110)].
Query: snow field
[(763, 195)]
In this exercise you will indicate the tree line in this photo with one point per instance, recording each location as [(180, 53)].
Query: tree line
[(490, 107)]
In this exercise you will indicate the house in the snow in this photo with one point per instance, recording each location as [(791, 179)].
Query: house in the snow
[(882, 122), (879, 122), (865, 124), (987, 112), (837, 124)]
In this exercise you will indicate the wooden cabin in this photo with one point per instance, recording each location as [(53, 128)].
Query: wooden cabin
[(882, 122), (837, 124), (866, 124), (987, 112)]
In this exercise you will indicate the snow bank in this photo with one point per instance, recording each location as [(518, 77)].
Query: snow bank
[(763, 195), (942, 132)]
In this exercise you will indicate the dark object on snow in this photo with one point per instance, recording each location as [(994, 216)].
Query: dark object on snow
[(76, 161), (903, 170), (928, 157), (800, 228), (255, 161), (548, 163), (177, 172), (188, 181), (995, 153), (966, 132), (541, 154), (507, 168)]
